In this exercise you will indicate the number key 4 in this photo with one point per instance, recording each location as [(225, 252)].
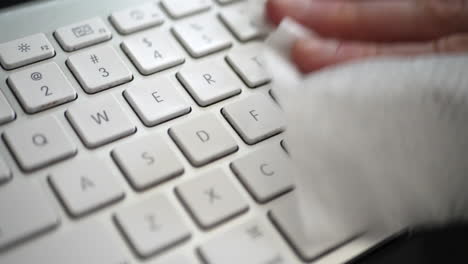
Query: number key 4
[(99, 69)]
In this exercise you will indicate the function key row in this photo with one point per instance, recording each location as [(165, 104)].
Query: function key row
[(199, 36)]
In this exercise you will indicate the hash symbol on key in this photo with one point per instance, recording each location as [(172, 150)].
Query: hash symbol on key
[(213, 196)]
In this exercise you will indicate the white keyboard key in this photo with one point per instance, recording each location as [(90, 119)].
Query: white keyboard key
[(236, 18), (27, 50), (41, 87), (183, 8), (209, 82), (39, 142), (248, 64), (153, 52), (157, 101), (25, 212), (202, 36), (176, 259), (137, 18), (203, 139), (86, 185), (286, 217), (5, 172), (100, 121), (82, 34), (249, 243), (255, 118), (147, 161), (99, 69), (152, 226), (89, 243), (6, 113), (211, 198), (266, 173)]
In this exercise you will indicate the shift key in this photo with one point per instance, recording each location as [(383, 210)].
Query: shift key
[(90, 243)]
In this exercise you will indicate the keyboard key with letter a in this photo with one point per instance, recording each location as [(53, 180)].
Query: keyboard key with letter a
[(100, 121), (85, 185)]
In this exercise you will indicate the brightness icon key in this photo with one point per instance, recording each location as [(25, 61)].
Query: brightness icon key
[(24, 51)]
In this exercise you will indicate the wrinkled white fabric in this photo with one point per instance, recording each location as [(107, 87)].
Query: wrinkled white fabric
[(381, 142)]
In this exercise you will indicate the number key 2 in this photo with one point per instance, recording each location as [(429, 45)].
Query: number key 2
[(99, 69), (41, 87)]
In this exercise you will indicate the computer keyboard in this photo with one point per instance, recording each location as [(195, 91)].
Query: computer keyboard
[(145, 132)]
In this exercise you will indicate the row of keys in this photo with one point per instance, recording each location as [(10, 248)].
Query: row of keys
[(40, 142), (101, 68), (200, 36)]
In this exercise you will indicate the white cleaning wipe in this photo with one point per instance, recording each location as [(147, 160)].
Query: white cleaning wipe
[(381, 143)]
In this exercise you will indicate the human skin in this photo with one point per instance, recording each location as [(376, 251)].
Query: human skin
[(356, 29)]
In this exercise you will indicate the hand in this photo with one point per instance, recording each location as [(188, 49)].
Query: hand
[(354, 29)]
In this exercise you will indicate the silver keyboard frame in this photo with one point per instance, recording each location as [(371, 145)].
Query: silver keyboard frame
[(46, 17)]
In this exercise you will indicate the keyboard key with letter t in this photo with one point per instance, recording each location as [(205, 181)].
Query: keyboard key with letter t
[(38, 143), (249, 243), (25, 212), (255, 118), (82, 34), (203, 139), (41, 87), (212, 198), (152, 226), (248, 64), (209, 82), (24, 51), (99, 69), (85, 186), (147, 161), (100, 121), (202, 36)]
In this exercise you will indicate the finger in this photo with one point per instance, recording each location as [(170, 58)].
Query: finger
[(312, 54), (375, 20)]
